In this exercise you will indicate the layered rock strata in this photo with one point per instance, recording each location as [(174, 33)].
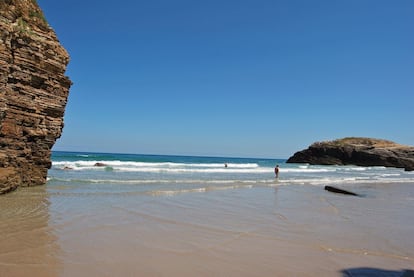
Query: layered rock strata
[(33, 93), (357, 151)]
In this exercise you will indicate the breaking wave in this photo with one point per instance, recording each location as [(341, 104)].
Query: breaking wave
[(169, 175)]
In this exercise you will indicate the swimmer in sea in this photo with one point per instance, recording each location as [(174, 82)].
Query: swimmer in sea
[(277, 171)]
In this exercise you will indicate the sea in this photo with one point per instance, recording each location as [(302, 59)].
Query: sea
[(102, 214), (168, 175)]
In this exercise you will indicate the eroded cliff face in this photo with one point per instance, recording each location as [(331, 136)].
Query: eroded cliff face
[(33, 93)]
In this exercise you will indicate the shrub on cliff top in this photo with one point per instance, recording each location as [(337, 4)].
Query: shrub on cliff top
[(359, 141)]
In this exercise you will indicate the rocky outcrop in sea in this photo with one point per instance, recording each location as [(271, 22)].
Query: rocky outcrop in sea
[(357, 151), (33, 93)]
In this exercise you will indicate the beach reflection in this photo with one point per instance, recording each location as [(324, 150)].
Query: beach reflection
[(288, 230), (28, 243)]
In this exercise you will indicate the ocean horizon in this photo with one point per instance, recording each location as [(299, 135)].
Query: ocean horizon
[(169, 154)]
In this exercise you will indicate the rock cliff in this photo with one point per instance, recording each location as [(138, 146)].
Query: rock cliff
[(33, 93), (357, 151)]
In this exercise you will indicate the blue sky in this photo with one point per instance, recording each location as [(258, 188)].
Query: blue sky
[(234, 78)]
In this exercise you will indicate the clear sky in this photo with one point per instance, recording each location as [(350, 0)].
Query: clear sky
[(233, 77)]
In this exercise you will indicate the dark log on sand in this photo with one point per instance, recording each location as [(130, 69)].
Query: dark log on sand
[(338, 190)]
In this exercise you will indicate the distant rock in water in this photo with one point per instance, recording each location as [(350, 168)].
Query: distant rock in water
[(33, 94), (357, 151)]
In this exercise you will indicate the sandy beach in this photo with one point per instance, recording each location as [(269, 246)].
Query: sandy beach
[(163, 138), (285, 230)]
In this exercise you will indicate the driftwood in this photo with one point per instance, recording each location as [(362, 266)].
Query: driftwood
[(338, 190)]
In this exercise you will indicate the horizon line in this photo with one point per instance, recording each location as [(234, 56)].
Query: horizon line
[(172, 155)]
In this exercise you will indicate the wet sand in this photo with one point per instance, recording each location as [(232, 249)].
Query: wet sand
[(291, 230)]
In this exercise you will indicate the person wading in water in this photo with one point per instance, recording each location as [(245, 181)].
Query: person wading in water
[(277, 171)]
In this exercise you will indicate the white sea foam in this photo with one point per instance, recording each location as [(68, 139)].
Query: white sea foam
[(163, 167), (170, 177), (307, 169), (390, 174), (151, 164), (213, 168)]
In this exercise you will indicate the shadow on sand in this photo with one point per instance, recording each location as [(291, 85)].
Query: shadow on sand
[(377, 272)]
